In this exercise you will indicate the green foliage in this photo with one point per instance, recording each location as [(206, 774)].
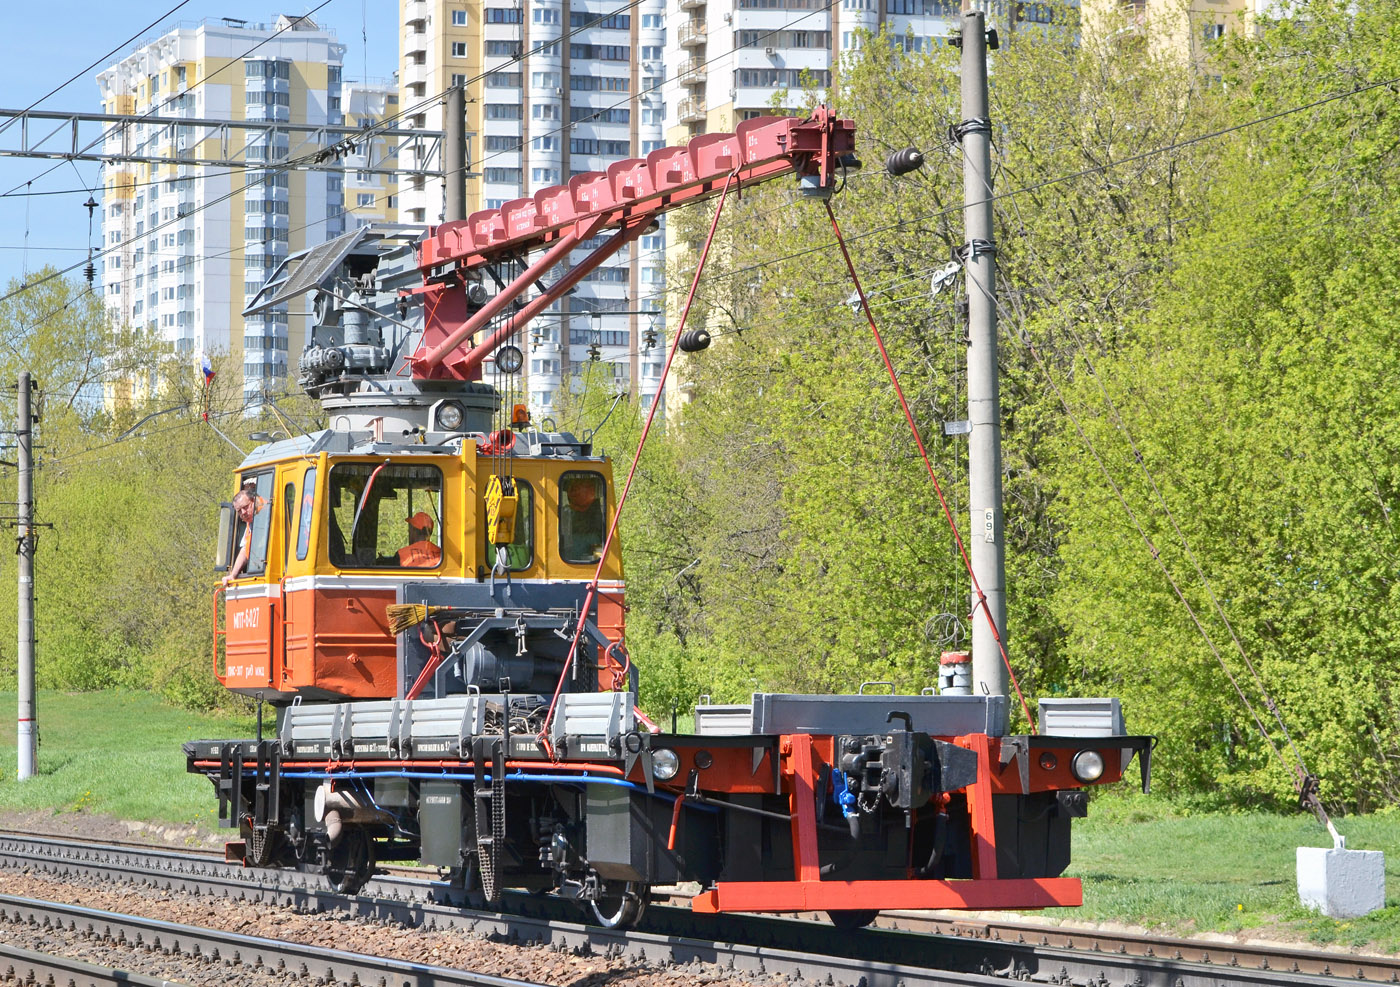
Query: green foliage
[(1197, 283), (1198, 336), (127, 492), (1257, 393)]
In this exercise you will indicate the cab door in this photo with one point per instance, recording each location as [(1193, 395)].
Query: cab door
[(252, 601), (298, 576)]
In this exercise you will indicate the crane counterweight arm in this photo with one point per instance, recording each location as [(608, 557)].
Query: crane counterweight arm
[(626, 197)]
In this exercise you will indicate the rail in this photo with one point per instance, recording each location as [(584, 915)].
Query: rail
[(921, 949)]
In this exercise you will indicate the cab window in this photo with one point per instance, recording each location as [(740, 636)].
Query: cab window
[(582, 510), (520, 553), (262, 525), (308, 495), (385, 516)]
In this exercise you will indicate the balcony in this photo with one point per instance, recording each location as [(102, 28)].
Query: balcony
[(692, 4), (692, 34), (691, 110), (693, 71)]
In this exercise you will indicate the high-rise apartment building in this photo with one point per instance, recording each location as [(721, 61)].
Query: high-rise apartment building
[(370, 195), (731, 59), (196, 242), (554, 88), (1170, 27)]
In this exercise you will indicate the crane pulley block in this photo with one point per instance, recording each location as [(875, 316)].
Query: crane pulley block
[(501, 502)]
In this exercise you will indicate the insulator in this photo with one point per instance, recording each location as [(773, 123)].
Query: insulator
[(905, 161), (694, 340), (90, 272), (594, 353)]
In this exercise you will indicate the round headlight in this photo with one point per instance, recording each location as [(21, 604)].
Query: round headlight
[(1087, 766), (449, 416), (509, 359), (665, 765)]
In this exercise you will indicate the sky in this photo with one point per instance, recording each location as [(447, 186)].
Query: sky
[(62, 37)]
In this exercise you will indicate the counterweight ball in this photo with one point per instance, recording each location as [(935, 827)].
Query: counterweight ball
[(905, 161)]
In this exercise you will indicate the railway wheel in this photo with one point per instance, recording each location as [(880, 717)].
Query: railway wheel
[(350, 863), (848, 920), (621, 908)]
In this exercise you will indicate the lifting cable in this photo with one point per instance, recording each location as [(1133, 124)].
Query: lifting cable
[(569, 660), (981, 603)]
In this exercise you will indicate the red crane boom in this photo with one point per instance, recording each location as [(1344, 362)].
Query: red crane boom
[(626, 199)]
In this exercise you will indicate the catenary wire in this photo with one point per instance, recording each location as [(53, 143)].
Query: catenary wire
[(77, 75), (107, 132)]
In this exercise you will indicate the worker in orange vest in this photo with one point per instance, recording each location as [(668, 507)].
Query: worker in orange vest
[(420, 552)]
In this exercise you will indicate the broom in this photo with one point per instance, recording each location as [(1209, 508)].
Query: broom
[(402, 616)]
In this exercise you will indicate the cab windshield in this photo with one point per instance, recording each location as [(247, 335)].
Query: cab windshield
[(385, 516)]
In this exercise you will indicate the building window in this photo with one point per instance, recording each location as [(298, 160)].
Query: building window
[(544, 176), (502, 142), (598, 83), (503, 80), (365, 199), (503, 111), (544, 111), (502, 15), (606, 53), (588, 114), (503, 176), (545, 15), (651, 20), (459, 18), (459, 78), (505, 49), (615, 22), (459, 49), (788, 78)]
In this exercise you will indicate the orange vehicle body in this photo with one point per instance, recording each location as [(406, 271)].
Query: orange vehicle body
[(300, 624)]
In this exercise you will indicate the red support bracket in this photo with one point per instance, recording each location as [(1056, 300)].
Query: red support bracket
[(979, 807), (802, 771)]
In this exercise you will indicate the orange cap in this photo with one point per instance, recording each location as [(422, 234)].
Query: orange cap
[(421, 521)]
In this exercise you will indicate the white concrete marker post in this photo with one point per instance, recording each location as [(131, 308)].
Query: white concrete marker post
[(1341, 883)]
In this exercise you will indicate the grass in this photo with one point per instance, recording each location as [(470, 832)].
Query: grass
[(113, 753), (1143, 860)]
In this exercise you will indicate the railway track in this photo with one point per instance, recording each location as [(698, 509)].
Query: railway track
[(27, 966), (915, 950), (228, 952)]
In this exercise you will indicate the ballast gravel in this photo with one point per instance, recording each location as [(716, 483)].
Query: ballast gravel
[(449, 948)]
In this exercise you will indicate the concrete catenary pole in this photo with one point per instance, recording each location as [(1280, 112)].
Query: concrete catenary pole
[(989, 674), (454, 156), (28, 721)]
